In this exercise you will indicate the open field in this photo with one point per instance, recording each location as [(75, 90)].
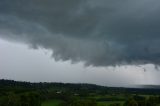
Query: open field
[(104, 103), (107, 103), (51, 103)]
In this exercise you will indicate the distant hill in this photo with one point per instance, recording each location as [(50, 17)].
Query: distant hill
[(17, 85), (149, 86)]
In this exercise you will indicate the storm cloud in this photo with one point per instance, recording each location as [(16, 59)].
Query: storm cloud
[(97, 32)]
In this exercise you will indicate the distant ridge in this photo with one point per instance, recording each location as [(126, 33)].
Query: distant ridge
[(143, 89), (149, 86), (13, 82)]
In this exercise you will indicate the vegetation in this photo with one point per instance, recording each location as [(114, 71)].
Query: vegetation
[(51, 103), (14, 93)]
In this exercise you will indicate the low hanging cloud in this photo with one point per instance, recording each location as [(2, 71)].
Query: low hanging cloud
[(97, 32)]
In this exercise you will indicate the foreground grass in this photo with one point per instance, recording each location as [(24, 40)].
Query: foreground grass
[(56, 102), (107, 103), (51, 103)]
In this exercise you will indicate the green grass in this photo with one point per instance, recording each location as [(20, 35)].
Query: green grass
[(51, 103), (56, 102), (107, 103)]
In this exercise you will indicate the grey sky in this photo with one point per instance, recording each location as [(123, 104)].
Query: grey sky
[(19, 62), (95, 33)]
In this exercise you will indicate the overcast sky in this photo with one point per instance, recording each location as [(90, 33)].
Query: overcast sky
[(105, 42)]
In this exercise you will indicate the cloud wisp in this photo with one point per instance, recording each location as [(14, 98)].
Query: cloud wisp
[(97, 32)]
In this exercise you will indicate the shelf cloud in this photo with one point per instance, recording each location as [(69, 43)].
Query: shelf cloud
[(97, 32)]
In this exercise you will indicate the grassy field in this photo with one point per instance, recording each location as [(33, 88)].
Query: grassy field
[(56, 102), (51, 103), (107, 103)]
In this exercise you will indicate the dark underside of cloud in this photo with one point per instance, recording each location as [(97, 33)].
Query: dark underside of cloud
[(97, 32)]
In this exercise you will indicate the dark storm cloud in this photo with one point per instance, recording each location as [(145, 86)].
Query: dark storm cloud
[(98, 32)]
